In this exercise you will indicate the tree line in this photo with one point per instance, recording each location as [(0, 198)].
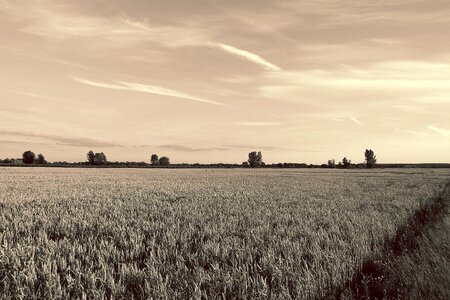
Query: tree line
[(255, 160), (100, 159)]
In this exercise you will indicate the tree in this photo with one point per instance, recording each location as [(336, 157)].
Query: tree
[(96, 158), (41, 159), (100, 158), (331, 163), (346, 162), (164, 161), (154, 160), (28, 157), (371, 159), (255, 159), (91, 157)]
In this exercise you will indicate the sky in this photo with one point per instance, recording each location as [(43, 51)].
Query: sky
[(209, 81)]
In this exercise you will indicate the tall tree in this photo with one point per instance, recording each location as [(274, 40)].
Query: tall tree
[(346, 162), (331, 163), (154, 160), (28, 157), (164, 161), (371, 159), (90, 157), (255, 159), (100, 158), (41, 159)]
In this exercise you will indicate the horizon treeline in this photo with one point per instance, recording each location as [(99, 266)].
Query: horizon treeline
[(255, 160)]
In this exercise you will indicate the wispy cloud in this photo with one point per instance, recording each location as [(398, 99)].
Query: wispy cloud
[(66, 141), (145, 88), (194, 38), (354, 119), (258, 123), (249, 147), (392, 76), (53, 22), (413, 132), (32, 95), (191, 149), (441, 131), (268, 148), (15, 142), (47, 98), (246, 55)]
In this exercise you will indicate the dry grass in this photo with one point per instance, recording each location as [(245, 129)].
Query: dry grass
[(190, 233), (424, 274)]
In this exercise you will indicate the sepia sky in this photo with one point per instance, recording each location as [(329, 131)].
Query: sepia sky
[(209, 81)]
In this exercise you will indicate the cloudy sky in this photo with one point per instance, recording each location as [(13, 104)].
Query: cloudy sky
[(209, 81)]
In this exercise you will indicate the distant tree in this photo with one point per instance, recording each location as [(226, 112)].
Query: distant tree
[(346, 163), (154, 160), (100, 158), (371, 159), (340, 164), (41, 159), (255, 159), (28, 157), (245, 164), (91, 157), (164, 161), (331, 163), (17, 161)]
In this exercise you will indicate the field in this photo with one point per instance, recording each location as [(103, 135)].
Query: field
[(178, 234)]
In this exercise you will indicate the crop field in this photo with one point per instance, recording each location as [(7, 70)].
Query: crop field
[(179, 234)]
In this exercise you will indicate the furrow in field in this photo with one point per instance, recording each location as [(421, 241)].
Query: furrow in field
[(417, 248)]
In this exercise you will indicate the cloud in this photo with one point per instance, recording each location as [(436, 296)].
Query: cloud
[(65, 141), (47, 98), (53, 22), (5, 142), (441, 131), (413, 132), (246, 55), (268, 148), (249, 147), (393, 75), (190, 149), (227, 147), (258, 123), (354, 119), (144, 88)]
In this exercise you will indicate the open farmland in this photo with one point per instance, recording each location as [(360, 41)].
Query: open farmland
[(164, 233)]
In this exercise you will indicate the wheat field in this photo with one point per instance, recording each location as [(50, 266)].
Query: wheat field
[(179, 234)]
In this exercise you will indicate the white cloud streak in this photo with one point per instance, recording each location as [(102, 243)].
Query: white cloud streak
[(417, 133), (258, 123), (121, 32), (144, 88), (392, 75), (246, 55), (441, 131), (354, 119)]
